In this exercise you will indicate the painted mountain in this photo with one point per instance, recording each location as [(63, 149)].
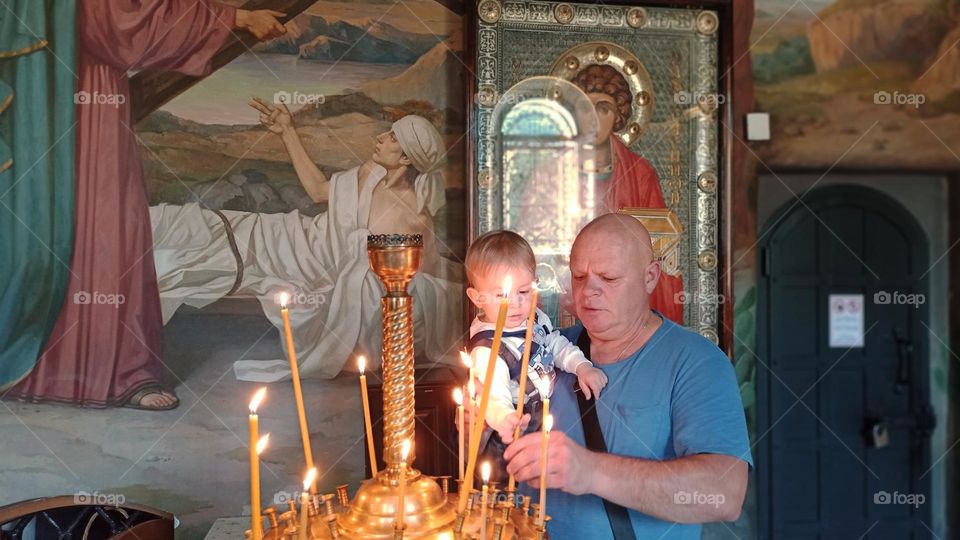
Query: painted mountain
[(371, 40)]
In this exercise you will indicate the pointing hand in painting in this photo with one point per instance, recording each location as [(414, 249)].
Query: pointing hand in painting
[(276, 117)]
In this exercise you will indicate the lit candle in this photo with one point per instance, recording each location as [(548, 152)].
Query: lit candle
[(485, 473), (544, 389), (305, 503), (472, 394), (477, 428), (524, 366), (256, 521), (402, 479), (362, 363), (547, 426), (458, 398), (255, 472), (297, 391)]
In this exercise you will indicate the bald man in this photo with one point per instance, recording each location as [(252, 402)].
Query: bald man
[(671, 415)]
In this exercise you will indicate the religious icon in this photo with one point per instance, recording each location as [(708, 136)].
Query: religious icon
[(647, 147)]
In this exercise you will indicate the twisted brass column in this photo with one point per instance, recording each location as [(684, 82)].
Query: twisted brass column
[(395, 258)]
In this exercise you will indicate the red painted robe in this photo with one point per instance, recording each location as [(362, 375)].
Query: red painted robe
[(107, 343), (634, 183)]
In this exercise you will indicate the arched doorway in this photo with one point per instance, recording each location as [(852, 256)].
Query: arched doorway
[(843, 415)]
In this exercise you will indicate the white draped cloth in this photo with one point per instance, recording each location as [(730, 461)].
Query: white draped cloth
[(321, 261)]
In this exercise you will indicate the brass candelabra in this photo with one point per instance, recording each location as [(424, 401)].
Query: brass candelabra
[(430, 510)]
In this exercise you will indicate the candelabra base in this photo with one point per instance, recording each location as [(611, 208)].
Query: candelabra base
[(427, 511)]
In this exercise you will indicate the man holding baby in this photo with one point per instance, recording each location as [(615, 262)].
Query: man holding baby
[(674, 451)]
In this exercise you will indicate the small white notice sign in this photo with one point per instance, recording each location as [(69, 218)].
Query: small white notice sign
[(846, 320)]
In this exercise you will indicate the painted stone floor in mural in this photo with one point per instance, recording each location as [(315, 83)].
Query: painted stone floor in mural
[(193, 460)]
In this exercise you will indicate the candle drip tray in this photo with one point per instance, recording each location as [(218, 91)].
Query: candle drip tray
[(427, 511)]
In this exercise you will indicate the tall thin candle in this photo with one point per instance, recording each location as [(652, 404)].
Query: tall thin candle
[(256, 520), (362, 363), (255, 473), (477, 427), (547, 426), (458, 398), (305, 504), (485, 473), (524, 366), (297, 390)]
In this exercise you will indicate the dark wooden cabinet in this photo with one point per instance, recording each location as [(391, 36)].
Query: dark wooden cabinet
[(436, 439)]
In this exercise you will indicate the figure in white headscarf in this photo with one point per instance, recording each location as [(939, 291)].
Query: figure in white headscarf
[(322, 261)]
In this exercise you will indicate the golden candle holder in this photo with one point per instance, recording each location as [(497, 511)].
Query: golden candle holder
[(430, 511)]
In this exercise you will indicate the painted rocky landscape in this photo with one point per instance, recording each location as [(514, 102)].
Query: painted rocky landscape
[(880, 80), (238, 165)]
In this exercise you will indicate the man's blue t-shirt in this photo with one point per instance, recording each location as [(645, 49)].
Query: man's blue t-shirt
[(677, 396)]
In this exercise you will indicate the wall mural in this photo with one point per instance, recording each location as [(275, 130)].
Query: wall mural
[(224, 189), (863, 83)]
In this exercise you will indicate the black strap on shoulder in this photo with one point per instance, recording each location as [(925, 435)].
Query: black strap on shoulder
[(617, 515)]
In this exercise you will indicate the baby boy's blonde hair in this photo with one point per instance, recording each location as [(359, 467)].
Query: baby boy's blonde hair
[(497, 249)]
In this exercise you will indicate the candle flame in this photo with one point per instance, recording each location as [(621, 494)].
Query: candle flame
[(262, 443), (472, 389), (405, 449), (361, 363), (507, 285), (458, 396), (485, 471), (284, 298), (311, 476), (257, 398), (465, 358), (548, 423)]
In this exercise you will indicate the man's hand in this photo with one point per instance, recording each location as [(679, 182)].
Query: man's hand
[(591, 380), (262, 23), (568, 463), (510, 424), (277, 118)]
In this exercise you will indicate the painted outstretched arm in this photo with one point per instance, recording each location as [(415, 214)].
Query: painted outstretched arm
[(279, 120)]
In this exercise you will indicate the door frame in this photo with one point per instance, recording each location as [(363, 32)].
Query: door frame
[(786, 215)]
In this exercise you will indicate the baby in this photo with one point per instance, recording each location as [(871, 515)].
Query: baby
[(490, 259)]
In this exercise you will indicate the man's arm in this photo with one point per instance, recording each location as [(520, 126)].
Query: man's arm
[(314, 182), (279, 120), (692, 489)]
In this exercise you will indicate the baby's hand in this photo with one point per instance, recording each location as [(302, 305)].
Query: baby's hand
[(510, 424), (591, 380)]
